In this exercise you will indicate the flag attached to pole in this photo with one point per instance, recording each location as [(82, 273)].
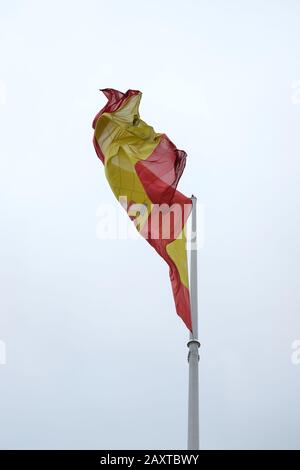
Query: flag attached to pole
[(143, 169)]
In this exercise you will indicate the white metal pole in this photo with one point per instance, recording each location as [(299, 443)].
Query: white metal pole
[(193, 344)]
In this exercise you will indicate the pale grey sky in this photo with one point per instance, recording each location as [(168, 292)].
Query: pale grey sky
[(96, 356)]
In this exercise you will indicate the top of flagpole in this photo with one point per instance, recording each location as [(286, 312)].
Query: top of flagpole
[(194, 271)]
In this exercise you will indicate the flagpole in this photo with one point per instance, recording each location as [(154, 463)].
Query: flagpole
[(193, 343)]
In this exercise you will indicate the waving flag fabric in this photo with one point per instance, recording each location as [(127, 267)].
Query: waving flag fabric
[(143, 169)]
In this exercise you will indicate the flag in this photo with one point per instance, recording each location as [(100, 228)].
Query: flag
[(143, 169)]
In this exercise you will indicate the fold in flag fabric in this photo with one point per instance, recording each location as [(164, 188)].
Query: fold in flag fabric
[(143, 169)]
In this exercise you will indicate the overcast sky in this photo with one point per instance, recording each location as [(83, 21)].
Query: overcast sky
[(96, 356)]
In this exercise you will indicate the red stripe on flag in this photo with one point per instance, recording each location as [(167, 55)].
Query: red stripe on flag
[(159, 175)]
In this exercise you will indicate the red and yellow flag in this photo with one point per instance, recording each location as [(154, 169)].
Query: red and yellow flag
[(143, 169)]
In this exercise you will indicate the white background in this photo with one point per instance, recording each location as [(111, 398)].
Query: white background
[(96, 356)]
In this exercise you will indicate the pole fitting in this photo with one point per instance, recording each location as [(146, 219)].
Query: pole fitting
[(191, 343)]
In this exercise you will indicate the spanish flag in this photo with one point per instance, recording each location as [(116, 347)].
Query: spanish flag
[(143, 169)]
